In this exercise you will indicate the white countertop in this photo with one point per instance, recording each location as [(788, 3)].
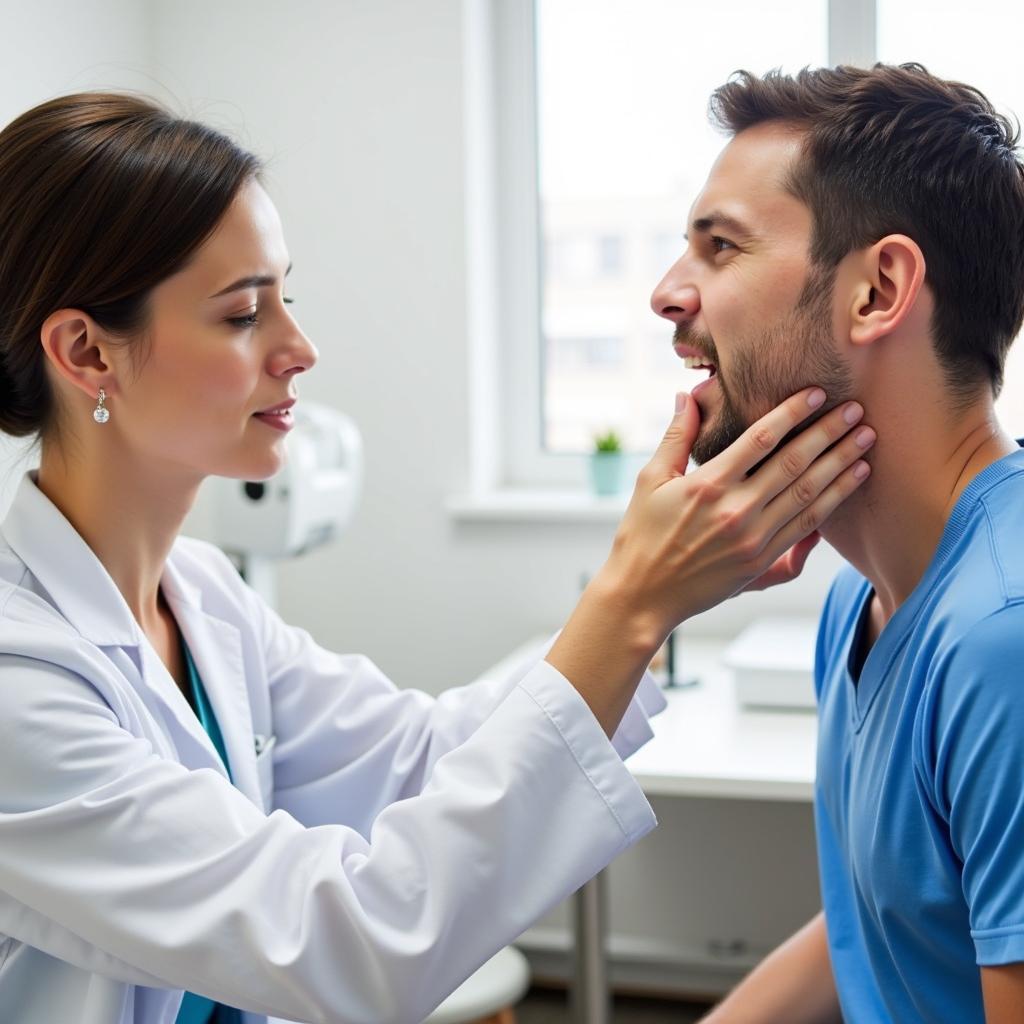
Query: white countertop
[(705, 744)]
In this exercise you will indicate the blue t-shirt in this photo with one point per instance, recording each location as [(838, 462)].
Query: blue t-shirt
[(919, 801)]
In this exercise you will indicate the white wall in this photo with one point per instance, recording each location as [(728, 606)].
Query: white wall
[(358, 106), (52, 47)]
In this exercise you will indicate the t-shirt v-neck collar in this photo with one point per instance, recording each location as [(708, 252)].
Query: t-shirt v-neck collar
[(875, 668)]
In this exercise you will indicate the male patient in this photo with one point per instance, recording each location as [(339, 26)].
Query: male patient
[(864, 230)]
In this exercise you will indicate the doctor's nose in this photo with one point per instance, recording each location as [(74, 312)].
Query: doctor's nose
[(675, 299), (297, 356)]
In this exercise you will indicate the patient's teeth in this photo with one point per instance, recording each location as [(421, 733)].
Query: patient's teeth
[(695, 362)]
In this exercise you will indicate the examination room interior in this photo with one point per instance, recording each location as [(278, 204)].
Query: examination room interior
[(478, 198)]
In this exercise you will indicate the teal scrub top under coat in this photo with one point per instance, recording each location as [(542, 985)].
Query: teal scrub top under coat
[(197, 1009)]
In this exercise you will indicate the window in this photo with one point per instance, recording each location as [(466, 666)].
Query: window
[(605, 143), (609, 255)]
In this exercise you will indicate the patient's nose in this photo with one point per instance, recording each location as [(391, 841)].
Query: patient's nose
[(675, 300)]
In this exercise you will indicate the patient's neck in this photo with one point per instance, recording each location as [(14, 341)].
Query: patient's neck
[(925, 456)]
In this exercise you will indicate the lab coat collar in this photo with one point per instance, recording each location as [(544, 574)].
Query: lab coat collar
[(216, 649), (81, 588), (55, 553)]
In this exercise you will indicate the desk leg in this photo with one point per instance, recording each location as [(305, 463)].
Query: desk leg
[(591, 996)]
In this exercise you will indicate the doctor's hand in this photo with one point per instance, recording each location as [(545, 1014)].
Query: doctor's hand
[(689, 540), (787, 567)]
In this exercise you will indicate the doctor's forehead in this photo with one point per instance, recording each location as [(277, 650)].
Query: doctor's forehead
[(247, 242), (746, 190)]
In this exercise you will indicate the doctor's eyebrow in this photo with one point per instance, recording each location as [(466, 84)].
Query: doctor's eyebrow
[(717, 219), (253, 281)]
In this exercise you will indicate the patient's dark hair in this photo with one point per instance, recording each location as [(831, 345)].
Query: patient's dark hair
[(102, 196), (896, 150)]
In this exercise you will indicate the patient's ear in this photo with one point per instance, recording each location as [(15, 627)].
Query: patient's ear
[(892, 273)]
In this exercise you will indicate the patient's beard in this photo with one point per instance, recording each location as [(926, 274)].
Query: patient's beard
[(772, 365)]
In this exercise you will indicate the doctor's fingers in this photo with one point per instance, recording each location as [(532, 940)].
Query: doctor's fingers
[(816, 494), (787, 566), (762, 437), (799, 467)]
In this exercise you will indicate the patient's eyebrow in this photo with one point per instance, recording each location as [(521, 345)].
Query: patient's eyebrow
[(718, 220)]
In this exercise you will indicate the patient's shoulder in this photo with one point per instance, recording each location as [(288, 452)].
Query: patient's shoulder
[(1004, 537)]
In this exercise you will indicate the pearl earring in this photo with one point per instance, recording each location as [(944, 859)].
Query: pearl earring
[(101, 414)]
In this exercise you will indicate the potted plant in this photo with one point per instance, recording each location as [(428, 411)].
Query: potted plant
[(606, 463)]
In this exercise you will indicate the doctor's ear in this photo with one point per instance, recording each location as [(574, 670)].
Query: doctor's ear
[(893, 271), (78, 349)]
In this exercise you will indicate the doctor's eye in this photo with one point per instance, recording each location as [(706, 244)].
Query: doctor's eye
[(243, 322), (252, 319)]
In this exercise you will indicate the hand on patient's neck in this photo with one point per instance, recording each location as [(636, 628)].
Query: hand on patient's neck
[(925, 457)]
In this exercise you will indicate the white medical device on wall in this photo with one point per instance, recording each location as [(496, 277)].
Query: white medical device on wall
[(305, 505)]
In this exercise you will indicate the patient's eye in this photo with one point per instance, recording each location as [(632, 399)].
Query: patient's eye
[(719, 244)]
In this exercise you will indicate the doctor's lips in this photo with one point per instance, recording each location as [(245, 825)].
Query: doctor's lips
[(278, 416)]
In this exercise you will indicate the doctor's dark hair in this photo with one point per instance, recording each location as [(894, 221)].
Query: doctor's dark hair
[(102, 196), (894, 149)]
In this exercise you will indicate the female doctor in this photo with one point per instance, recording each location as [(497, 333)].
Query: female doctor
[(194, 796)]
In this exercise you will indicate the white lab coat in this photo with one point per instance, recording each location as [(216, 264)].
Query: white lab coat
[(381, 846)]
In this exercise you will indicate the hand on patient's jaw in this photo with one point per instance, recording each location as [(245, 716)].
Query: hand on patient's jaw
[(786, 567), (688, 541)]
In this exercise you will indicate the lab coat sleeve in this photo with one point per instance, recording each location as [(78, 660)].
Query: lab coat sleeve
[(349, 742), (125, 863), (635, 728)]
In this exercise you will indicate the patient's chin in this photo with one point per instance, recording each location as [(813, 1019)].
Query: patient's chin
[(715, 436), (706, 448)]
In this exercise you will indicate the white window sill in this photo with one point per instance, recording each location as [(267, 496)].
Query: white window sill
[(537, 506)]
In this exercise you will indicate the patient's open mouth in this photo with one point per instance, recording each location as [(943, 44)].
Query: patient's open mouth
[(694, 360), (699, 363)]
